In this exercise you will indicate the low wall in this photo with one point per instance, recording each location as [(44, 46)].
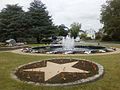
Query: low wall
[(12, 48)]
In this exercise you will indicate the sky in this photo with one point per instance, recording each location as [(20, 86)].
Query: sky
[(86, 12)]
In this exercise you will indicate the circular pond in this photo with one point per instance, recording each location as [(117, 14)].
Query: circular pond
[(60, 50), (59, 72)]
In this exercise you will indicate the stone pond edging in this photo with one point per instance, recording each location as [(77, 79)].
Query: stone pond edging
[(18, 51)]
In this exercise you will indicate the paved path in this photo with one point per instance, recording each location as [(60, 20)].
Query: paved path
[(53, 69)]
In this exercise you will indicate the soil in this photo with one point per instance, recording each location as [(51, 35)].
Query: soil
[(63, 77)]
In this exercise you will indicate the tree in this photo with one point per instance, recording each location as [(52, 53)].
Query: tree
[(74, 30), (83, 36), (10, 18), (41, 23), (99, 34), (62, 30), (110, 18)]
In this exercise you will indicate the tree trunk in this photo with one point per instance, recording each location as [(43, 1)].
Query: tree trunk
[(38, 40)]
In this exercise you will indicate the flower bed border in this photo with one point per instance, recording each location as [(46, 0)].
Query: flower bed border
[(81, 81)]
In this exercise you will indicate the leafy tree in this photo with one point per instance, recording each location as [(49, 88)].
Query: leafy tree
[(99, 34), (74, 30), (62, 30), (110, 18), (41, 23), (10, 22), (83, 36)]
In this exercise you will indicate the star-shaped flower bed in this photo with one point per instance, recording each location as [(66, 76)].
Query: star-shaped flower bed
[(59, 72)]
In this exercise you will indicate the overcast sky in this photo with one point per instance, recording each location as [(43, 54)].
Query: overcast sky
[(86, 12)]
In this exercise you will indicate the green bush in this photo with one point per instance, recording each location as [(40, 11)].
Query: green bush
[(106, 38), (47, 41)]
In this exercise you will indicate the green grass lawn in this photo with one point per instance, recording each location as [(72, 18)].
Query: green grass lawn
[(110, 81)]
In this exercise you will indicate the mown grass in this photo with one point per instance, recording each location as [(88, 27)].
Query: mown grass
[(110, 80)]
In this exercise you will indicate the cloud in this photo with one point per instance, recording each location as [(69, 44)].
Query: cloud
[(66, 12), (69, 11)]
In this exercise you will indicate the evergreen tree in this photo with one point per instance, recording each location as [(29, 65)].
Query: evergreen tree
[(10, 23), (41, 23)]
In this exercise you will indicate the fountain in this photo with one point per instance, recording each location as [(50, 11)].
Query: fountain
[(68, 43), (68, 47)]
